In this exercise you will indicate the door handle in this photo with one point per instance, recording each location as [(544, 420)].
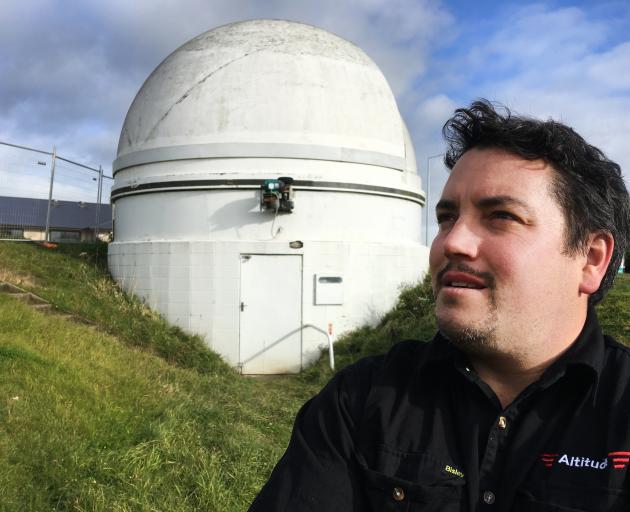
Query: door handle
[(242, 306)]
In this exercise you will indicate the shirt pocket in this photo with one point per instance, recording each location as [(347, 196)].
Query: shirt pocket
[(390, 494), (571, 498), (412, 482)]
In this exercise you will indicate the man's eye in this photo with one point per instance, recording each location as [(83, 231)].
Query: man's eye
[(503, 215), (443, 218)]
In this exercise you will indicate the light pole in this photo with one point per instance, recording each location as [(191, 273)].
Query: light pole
[(426, 213)]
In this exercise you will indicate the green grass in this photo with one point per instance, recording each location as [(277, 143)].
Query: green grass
[(127, 415), (614, 312), (88, 424), (133, 415), (74, 277)]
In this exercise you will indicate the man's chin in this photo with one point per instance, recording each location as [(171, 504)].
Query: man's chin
[(470, 337)]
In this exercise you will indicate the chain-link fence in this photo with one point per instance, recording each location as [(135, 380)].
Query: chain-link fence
[(44, 196)]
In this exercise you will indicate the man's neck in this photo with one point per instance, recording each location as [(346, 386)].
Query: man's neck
[(508, 374), (508, 379)]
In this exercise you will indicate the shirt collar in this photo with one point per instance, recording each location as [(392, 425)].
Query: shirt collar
[(440, 350), (584, 356)]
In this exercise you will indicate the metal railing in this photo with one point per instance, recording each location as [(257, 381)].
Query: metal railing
[(68, 180), (331, 340)]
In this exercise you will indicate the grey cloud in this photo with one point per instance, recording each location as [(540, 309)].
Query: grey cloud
[(71, 72)]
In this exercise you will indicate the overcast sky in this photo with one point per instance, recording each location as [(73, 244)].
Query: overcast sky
[(70, 68)]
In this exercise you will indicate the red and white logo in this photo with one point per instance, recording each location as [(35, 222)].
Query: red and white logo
[(548, 458), (619, 459)]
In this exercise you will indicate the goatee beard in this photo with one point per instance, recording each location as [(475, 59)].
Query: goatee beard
[(471, 340)]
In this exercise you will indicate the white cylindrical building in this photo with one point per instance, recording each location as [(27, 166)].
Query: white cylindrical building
[(238, 105)]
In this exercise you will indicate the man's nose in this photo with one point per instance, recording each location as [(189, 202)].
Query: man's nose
[(461, 241)]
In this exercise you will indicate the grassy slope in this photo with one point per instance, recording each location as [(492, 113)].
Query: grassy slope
[(87, 424), (81, 284), (135, 415), (99, 418)]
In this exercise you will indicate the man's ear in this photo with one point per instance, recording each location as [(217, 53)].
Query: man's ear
[(598, 254)]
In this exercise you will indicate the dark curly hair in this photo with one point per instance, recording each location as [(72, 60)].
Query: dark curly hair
[(588, 186)]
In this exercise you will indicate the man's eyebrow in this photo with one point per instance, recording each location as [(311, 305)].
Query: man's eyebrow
[(446, 204), (486, 202), (489, 202)]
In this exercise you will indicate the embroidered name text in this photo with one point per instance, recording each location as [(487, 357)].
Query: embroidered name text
[(454, 471)]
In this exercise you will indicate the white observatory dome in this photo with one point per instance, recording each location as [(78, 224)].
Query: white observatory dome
[(266, 88), (265, 193)]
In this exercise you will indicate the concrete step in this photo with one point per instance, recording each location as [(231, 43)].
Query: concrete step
[(29, 298), (40, 304), (43, 307), (64, 316), (9, 288)]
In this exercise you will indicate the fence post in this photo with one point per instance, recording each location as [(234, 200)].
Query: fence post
[(50, 191), (99, 196)]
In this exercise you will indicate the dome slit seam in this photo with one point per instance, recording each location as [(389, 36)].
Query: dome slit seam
[(199, 82)]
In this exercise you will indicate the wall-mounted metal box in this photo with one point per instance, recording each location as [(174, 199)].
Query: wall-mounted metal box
[(328, 289)]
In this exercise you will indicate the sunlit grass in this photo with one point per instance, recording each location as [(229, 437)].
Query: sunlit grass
[(74, 277), (614, 312), (88, 424)]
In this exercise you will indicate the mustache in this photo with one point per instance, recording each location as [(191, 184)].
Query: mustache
[(487, 278)]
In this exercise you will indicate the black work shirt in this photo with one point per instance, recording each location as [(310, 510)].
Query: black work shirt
[(418, 430)]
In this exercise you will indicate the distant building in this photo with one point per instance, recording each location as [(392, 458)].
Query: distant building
[(70, 221), (266, 192)]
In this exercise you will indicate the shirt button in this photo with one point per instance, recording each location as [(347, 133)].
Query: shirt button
[(502, 422), (398, 494), (488, 497)]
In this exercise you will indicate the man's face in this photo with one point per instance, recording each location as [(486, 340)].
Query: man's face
[(500, 271)]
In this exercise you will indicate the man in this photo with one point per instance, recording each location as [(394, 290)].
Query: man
[(519, 402)]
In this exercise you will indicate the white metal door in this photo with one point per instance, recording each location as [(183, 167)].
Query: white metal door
[(271, 314)]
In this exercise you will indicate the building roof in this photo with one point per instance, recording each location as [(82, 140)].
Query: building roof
[(25, 211), (266, 89)]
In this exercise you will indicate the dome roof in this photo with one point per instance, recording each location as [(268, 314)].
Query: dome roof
[(266, 88)]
